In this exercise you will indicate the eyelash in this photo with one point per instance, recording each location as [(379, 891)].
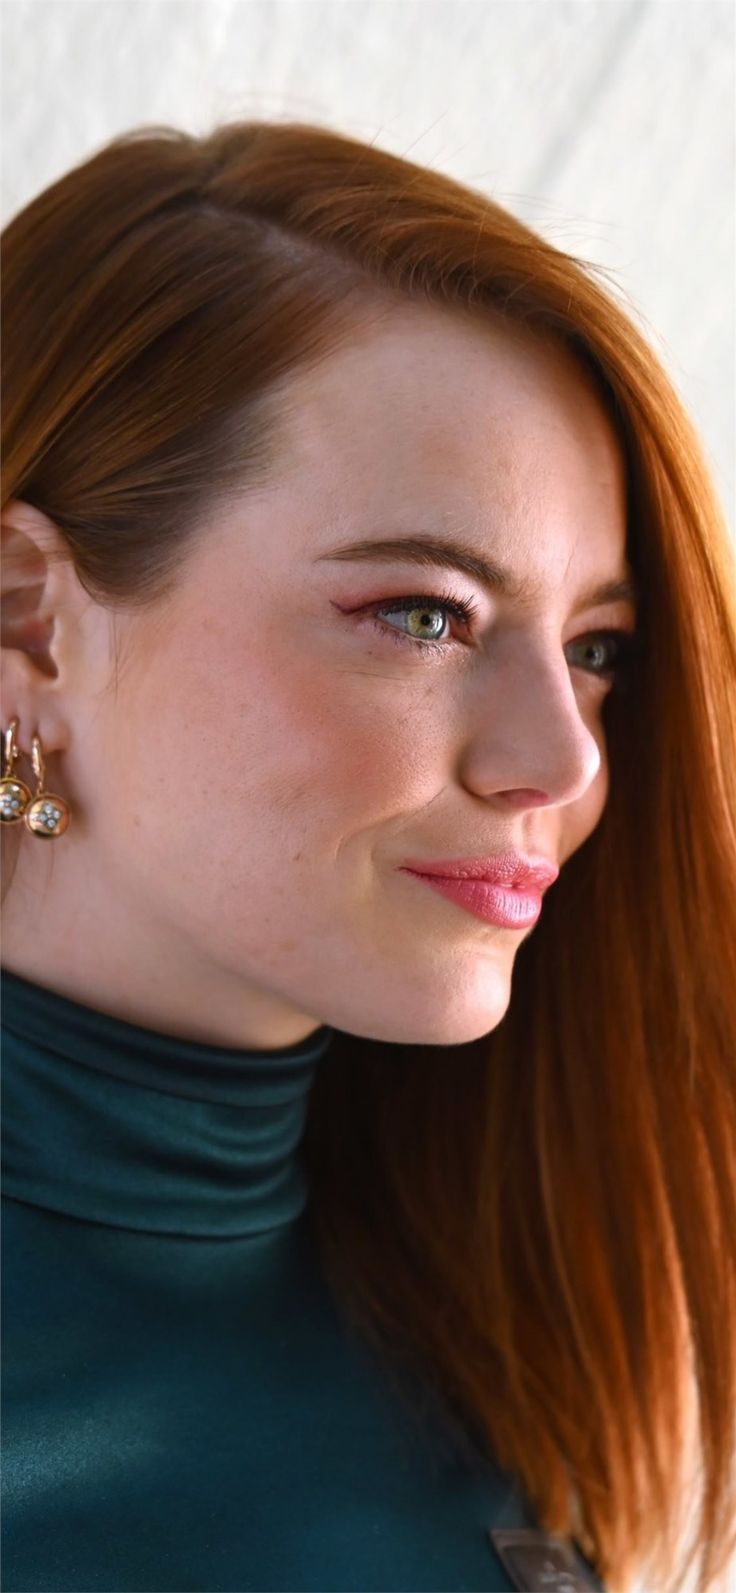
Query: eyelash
[(465, 610)]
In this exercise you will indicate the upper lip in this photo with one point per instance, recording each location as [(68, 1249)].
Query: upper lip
[(503, 868)]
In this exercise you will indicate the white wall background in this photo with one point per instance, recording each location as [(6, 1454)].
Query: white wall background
[(609, 125)]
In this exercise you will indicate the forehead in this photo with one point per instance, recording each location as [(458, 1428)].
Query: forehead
[(494, 429)]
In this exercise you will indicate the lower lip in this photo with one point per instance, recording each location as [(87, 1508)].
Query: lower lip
[(496, 904)]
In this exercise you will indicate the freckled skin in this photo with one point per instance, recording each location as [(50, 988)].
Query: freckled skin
[(242, 802)]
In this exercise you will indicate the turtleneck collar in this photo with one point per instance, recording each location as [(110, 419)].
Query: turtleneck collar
[(118, 1124)]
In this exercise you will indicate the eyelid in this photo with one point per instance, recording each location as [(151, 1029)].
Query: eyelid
[(482, 600), (470, 611), (464, 611)]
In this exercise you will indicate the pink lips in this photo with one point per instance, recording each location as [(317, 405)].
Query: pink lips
[(509, 909), (505, 889)]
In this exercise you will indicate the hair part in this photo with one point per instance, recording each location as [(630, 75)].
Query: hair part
[(541, 1225)]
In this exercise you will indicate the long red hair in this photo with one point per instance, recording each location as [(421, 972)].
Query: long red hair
[(543, 1222)]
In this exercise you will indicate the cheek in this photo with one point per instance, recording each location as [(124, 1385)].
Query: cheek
[(233, 740), (307, 730), (341, 739)]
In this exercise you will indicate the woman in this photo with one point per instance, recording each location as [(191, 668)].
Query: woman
[(360, 1232)]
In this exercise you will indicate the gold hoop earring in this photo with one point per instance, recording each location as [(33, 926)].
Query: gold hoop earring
[(47, 815), (15, 795)]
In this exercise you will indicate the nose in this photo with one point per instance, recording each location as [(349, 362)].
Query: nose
[(531, 798), (532, 718)]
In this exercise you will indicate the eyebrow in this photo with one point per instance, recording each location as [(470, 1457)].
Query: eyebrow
[(451, 554)]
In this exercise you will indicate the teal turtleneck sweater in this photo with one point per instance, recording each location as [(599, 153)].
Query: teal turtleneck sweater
[(182, 1405)]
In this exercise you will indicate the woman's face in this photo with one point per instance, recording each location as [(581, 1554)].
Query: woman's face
[(272, 755)]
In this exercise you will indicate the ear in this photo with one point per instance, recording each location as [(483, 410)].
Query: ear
[(37, 612), (28, 539)]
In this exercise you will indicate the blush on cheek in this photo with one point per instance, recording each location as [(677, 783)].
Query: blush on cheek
[(386, 775)]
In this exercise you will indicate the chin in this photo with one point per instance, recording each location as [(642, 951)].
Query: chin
[(447, 1029)]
